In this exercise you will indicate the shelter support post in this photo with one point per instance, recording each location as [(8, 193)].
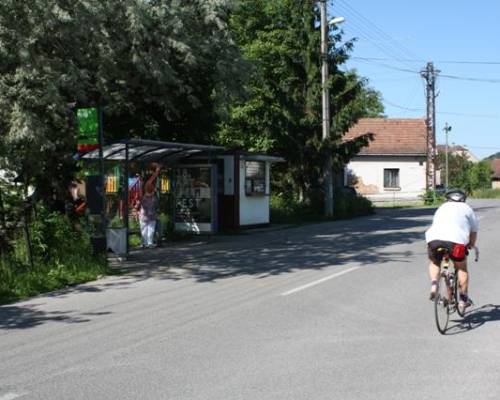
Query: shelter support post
[(126, 195)]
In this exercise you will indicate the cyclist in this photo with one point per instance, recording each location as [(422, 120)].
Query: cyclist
[(455, 228)]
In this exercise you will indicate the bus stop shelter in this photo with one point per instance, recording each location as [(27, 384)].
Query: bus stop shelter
[(116, 180)]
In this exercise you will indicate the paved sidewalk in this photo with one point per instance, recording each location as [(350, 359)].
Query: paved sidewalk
[(140, 258)]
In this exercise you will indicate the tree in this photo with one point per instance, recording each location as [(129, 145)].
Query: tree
[(493, 156), (281, 112), (159, 68), (480, 175), (463, 173)]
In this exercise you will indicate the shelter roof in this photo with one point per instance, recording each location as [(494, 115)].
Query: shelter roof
[(150, 150), (392, 136)]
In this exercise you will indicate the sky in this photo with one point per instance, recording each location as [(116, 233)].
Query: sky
[(396, 38)]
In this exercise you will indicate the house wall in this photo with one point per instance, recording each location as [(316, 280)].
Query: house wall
[(254, 210), (369, 172), (495, 184)]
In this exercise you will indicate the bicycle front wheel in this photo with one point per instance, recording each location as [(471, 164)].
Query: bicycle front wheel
[(441, 306)]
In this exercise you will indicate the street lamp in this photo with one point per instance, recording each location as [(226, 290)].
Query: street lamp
[(328, 178), (446, 129), (336, 20)]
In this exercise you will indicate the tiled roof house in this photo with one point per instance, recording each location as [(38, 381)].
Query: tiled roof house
[(458, 150), (393, 165), (495, 177)]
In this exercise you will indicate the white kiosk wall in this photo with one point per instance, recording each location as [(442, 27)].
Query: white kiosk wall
[(254, 192)]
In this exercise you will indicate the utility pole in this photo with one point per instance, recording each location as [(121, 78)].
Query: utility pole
[(446, 129), (429, 74), (327, 173)]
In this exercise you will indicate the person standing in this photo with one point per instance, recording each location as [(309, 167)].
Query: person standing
[(147, 207)]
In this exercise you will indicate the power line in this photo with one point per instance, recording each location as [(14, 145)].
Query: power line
[(376, 29), (402, 107), (490, 116), (454, 77), (389, 66), (457, 114), (422, 61), (465, 78), (484, 147), (373, 34)]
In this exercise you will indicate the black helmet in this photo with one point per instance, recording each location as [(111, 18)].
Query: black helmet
[(456, 195)]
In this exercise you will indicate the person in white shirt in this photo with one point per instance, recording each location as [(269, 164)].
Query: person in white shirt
[(455, 228)]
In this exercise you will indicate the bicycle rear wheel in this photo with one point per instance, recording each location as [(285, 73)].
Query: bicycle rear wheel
[(441, 306)]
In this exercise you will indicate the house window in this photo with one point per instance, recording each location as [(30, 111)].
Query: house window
[(255, 178), (391, 178)]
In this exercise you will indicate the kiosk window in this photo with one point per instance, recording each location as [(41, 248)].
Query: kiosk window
[(255, 178)]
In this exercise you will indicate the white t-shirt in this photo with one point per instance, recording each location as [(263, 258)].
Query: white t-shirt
[(453, 222)]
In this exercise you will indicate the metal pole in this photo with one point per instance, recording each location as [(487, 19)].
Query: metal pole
[(328, 181), (101, 167), (126, 195), (29, 246)]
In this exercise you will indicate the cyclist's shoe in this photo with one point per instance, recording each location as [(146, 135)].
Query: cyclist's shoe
[(434, 289), (463, 304)]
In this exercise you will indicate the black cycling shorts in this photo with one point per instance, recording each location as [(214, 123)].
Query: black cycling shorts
[(436, 257)]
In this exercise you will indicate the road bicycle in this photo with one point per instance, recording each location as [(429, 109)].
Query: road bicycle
[(447, 295)]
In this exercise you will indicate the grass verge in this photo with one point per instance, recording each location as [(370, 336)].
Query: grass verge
[(18, 281), (486, 194)]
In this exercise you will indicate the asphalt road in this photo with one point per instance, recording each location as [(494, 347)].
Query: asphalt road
[(327, 311)]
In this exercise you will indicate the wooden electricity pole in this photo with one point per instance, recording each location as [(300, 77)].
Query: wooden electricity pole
[(429, 74)]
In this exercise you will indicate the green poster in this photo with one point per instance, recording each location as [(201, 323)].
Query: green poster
[(88, 129)]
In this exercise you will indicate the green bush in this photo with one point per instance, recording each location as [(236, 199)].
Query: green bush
[(346, 205), (432, 197), (287, 209), (349, 205), (62, 256), (486, 194)]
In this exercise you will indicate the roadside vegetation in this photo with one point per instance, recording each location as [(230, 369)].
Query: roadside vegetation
[(52, 253), (464, 174), (290, 211), (486, 194), (474, 178)]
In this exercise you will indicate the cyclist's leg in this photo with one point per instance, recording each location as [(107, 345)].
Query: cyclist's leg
[(434, 271), (434, 267), (463, 286), (463, 276)]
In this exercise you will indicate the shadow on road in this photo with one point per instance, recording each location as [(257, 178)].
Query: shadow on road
[(475, 318), (23, 317), (365, 241)]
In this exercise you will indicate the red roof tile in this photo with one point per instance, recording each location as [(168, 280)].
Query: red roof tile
[(392, 136), (495, 166)]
